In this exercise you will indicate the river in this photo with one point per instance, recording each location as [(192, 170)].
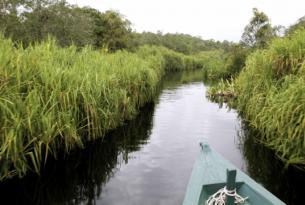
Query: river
[(148, 161)]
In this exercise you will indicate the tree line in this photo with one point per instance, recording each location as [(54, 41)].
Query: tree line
[(258, 34), (29, 21)]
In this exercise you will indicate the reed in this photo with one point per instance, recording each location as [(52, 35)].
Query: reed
[(271, 96), (54, 99), (170, 60), (224, 64), (213, 64), (223, 91)]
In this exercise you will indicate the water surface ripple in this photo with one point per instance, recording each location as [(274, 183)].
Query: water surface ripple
[(158, 173), (148, 160)]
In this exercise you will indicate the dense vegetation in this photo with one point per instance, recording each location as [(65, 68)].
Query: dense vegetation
[(68, 75), (227, 63), (271, 95), (30, 21), (56, 98), (268, 86), (221, 64), (182, 43)]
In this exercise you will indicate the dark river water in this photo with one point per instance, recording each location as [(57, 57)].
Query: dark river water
[(148, 161)]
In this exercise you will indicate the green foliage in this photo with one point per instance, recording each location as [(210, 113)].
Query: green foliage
[(271, 96), (62, 21), (213, 64), (39, 19), (30, 21), (300, 24), (223, 92), (219, 64), (170, 60), (116, 31), (110, 29), (235, 60), (181, 43), (68, 24), (228, 68), (258, 32), (54, 98)]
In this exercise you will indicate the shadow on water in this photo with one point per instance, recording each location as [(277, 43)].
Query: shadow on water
[(78, 178), (172, 80), (82, 176), (267, 169)]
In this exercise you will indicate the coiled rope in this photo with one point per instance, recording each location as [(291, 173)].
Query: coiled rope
[(219, 198)]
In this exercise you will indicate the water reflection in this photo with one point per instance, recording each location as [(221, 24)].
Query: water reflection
[(149, 159), (266, 168), (79, 177)]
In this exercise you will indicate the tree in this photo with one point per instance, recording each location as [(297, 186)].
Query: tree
[(236, 58), (29, 21), (98, 27), (300, 24), (111, 30), (258, 32), (116, 31), (10, 23), (182, 43), (60, 20)]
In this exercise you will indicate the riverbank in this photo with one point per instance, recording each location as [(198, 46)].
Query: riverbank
[(269, 94), (54, 99), (137, 162)]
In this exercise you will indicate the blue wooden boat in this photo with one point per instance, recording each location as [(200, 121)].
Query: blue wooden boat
[(209, 175)]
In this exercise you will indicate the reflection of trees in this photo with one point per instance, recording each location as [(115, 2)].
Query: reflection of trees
[(79, 177), (266, 168), (172, 80)]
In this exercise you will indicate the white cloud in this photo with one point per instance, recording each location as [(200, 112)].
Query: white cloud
[(217, 19)]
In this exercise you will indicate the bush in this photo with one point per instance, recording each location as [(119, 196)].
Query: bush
[(54, 99), (271, 95)]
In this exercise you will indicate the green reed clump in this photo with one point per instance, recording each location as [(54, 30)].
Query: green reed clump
[(213, 64), (224, 88), (170, 60), (54, 99), (221, 64), (223, 91), (271, 95)]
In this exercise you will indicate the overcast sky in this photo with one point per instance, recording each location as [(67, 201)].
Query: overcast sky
[(209, 19)]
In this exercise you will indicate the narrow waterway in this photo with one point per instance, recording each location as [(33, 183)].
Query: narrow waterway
[(148, 161), (158, 173)]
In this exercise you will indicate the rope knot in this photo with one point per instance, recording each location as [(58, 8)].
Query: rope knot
[(219, 198)]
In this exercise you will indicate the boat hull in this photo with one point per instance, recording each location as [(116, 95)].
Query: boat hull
[(209, 175)]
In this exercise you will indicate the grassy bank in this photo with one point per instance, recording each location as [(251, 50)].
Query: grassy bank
[(271, 96), (213, 64), (53, 99), (220, 64), (221, 92)]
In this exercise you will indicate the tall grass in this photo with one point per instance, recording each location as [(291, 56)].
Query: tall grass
[(54, 99), (222, 92), (220, 64), (169, 59), (213, 64), (271, 95)]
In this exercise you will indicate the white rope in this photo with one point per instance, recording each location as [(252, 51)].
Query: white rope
[(219, 198)]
